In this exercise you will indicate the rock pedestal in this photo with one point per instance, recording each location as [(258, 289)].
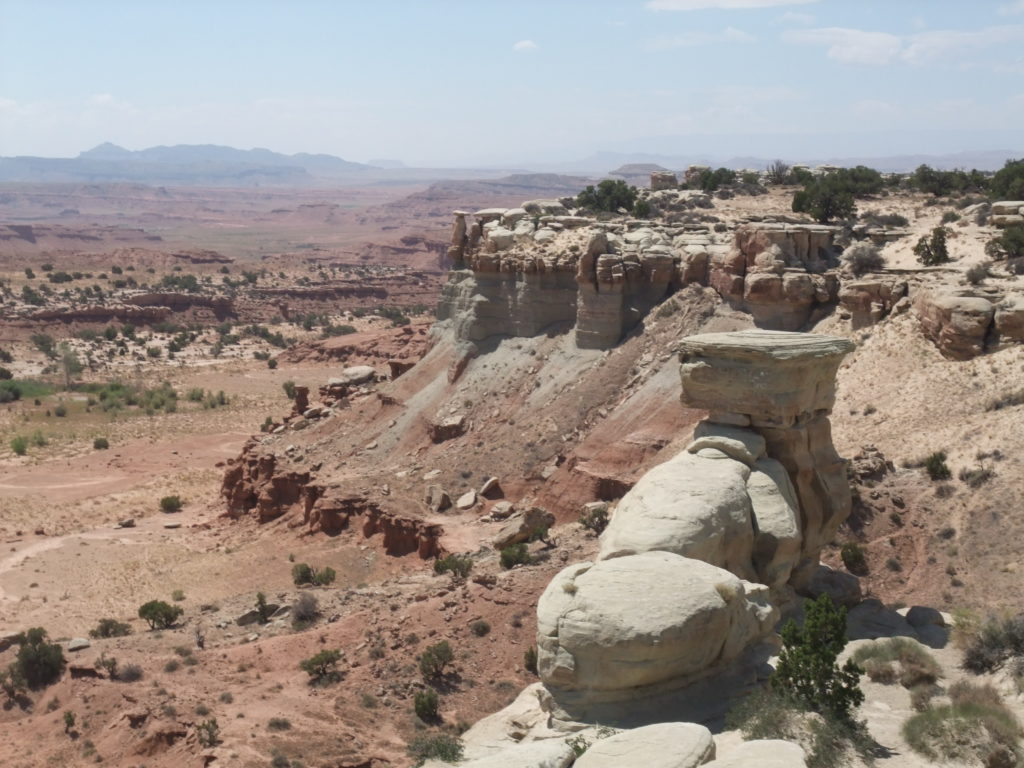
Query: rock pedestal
[(780, 386)]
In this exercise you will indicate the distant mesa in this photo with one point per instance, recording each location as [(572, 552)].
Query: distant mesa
[(383, 162)]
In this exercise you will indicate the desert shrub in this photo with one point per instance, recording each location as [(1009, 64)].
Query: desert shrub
[(262, 608), (160, 615), (974, 726), (1008, 400), (37, 662), (305, 609), (302, 573), (880, 671), (941, 183), (824, 199), (110, 628), (853, 558), (712, 180), (977, 273), (608, 195), (595, 520), (779, 173), (807, 670), (289, 389), (129, 673), (517, 554), (863, 257), (60, 411), (171, 504), (975, 477), (177, 595), (480, 628), (530, 659), (435, 659), (921, 697), (100, 444), (425, 704), (324, 576), (440, 746), (828, 741), (917, 665), (994, 643), (322, 667), (172, 666), (279, 724), (19, 445), (458, 566), (950, 217), (271, 363), (887, 219), (932, 251), (226, 697), (1009, 244), (208, 733), (894, 564), (936, 467)]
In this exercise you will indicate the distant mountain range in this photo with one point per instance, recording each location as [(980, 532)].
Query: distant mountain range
[(219, 166)]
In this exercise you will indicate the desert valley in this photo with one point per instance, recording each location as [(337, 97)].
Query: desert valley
[(604, 384)]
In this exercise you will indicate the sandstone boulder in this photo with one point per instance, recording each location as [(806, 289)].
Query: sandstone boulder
[(663, 745), (544, 208), (523, 526), (957, 325), (1009, 319), (663, 180), (842, 587), (619, 625), (437, 499), (740, 444), (695, 505), (766, 753), (447, 428), (869, 300), (549, 753), (775, 516), (354, 375), (466, 500)]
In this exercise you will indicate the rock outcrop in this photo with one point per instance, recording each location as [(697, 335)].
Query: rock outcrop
[(1006, 213), (527, 270), (959, 325), (869, 300), (781, 387), (663, 745), (618, 632)]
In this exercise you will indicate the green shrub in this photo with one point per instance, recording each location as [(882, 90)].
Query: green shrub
[(160, 615), (595, 519), (932, 251), (853, 558), (279, 724), (262, 608), (303, 573), (458, 566), (208, 733), (171, 504), (608, 195), (1008, 182), (19, 445), (60, 411), (129, 673), (289, 389), (530, 659), (305, 610), (435, 659), (480, 628), (37, 662), (322, 667), (441, 746), (1009, 245), (807, 670), (936, 467), (863, 257), (517, 554), (425, 703), (101, 444), (110, 628)]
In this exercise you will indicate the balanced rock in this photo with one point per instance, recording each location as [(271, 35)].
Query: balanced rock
[(523, 526), (783, 386), (663, 745)]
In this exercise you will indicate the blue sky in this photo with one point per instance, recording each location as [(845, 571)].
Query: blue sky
[(482, 81)]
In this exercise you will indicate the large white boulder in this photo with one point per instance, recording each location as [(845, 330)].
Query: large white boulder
[(695, 505), (764, 753), (664, 745), (641, 620), (776, 518), (550, 753)]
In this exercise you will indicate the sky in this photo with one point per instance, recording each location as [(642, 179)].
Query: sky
[(449, 83)]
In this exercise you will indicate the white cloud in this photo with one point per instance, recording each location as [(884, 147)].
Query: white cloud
[(698, 5), (851, 46), (525, 45), (795, 17), (1008, 9), (693, 39), (101, 99), (857, 46)]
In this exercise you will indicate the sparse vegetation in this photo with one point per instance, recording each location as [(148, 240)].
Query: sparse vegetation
[(425, 704), (440, 746), (932, 251), (303, 573), (917, 665), (596, 519), (608, 195), (458, 566), (480, 628), (322, 667), (100, 444), (853, 558), (110, 628), (171, 504), (517, 554), (305, 610), (936, 467), (863, 257), (160, 615), (38, 662), (435, 659), (991, 644), (208, 733)]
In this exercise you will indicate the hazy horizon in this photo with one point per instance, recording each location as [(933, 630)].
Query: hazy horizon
[(454, 84)]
